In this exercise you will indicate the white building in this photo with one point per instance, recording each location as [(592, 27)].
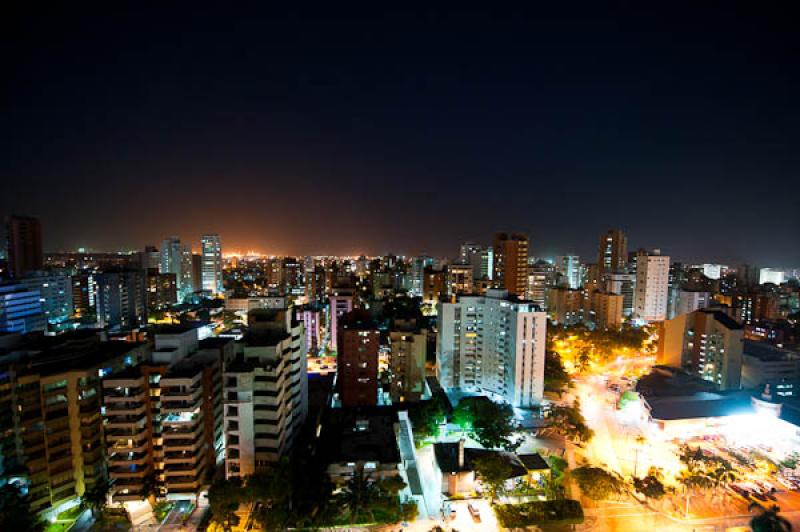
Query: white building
[(652, 285), (493, 344), (769, 275), (266, 392), (691, 300), (713, 271), (211, 272)]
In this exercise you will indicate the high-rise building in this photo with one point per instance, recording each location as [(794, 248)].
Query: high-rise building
[(511, 263), (21, 309), (434, 285), (55, 291), (407, 363), (706, 343), (161, 289), (652, 285), (266, 393), (612, 253), (473, 254), (565, 305), (212, 263), (691, 300), (357, 360), (622, 283), (541, 275), (24, 245), (151, 258), (50, 397), (493, 344), (605, 309), (121, 299), (568, 271), (163, 418), (177, 258), (340, 304), (418, 265), (459, 279)]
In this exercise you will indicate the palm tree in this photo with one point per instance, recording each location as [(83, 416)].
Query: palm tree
[(358, 495), (96, 496), (768, 519)]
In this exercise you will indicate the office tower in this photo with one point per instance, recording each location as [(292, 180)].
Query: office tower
[(605, 309), (418, 265), (511, 263), (120, 299), (612, 254), (493, 344), (21, 309), (151, 258), (313, 319), (459, 279), (357, 360), (568, 271), (565, 305), (162, 291), (770, 275), (176, 258), (163, 418), (541, 275), (50, 396), (24, 245), (292, 276), (339, 305), (266, 393), (407, 362), (212, 263), (434, 285), (55, 295), (487, 263), (315, 283), (706, 343), (622, 283), (652, 284)]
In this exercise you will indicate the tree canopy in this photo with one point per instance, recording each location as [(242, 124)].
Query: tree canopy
[(597, 483), (491, 424), (493, 470)]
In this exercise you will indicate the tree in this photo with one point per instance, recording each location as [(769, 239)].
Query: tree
[(493, 470), (273, 491), (649, 486), (224, 497), (571, 423), (358, 495), (426, 419), (555, 377), (16, 513), (96, 496), (598, 484), (768, 520), (491, 424)]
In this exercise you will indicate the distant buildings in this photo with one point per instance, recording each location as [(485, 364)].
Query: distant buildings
[(770, 275), (162, 290), (565, 305), (24, 245), (541, 276), (212, 263), (493, 344), (55, 294), (652, 284)]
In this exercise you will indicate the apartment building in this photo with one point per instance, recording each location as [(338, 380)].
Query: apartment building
[(265, 392)]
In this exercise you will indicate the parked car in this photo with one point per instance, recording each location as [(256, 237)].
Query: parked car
[(476, 514)]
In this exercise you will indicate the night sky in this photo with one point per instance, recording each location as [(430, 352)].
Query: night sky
[(375, 131)]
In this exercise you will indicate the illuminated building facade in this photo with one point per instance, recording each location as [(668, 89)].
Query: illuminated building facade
[(211, 274), (493, 344), (176, 258), (511, 263), (652, 285), (612, 253)]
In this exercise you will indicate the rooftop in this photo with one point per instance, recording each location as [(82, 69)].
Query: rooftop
[(361, 434), (447, 458)]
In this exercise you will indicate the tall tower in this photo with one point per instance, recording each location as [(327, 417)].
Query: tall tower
[(24, 245), (511, 263), (652, 285), (212, 263), (177, 258), (612, 252)]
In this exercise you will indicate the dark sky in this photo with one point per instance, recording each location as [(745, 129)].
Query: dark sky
[(337, 132)]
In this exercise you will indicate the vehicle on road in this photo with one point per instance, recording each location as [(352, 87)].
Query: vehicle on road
[(476, 514)]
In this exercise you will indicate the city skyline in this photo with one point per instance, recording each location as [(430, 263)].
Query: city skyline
[(438, 127)]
